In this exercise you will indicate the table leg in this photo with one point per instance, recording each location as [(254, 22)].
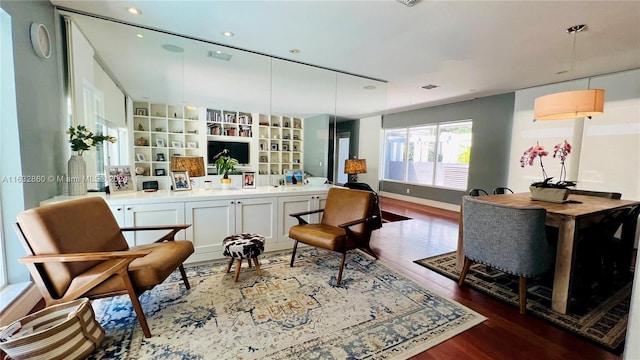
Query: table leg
[(460, 248), (565, 255)]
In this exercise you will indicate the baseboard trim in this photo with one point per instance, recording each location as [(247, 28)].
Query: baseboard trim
[(21, 305), (421, 201)]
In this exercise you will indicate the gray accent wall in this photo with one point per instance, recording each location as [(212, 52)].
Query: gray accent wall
[(488, 167), (41, 123)]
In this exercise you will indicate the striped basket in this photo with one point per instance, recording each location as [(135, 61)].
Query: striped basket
[(63, 331)]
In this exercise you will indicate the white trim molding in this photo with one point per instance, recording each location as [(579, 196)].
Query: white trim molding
[(415, 200)]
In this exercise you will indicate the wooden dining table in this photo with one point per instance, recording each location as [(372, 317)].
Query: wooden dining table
[(570, 218)]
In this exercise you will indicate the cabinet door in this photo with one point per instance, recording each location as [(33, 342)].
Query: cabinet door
[(319, 203), (118, 213), (211, 222), (289, 205), (257, 215), (153, 214)]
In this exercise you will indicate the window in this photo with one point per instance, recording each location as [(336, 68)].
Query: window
[(433, 155)]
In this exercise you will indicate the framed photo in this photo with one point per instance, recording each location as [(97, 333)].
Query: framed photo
[(176, 144), (160, 172), (160, 157), (141, 111), (264, 159), (120, 179), (160, 143), (192, 144), (180, 180), (293, 177), (249, 180), (274, 147), (140, 157), (285, 147)]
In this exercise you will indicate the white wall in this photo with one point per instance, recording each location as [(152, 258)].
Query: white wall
[(369, 148), (606, 148)]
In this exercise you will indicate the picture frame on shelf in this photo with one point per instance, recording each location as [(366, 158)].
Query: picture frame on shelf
[(180, 180), (160, 172), (264, 159), (274, 147), (285, 147), (192, 145), (141, 112), (176, 144), (140, 157), (160, 157), (160, 143), (249, 180), (120, 178), (293, 177)]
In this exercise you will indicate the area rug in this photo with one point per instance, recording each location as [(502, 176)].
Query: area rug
[(287, 313), (602, 319)]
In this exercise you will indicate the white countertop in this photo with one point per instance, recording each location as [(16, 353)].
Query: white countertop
[(163, 196)]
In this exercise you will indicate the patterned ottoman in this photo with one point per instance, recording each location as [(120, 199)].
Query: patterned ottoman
[(243, 246)]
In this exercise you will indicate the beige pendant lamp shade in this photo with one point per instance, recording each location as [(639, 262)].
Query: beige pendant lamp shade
[(569, 105)]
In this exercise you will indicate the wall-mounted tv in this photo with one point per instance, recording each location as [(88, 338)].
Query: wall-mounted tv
[(237, 150)]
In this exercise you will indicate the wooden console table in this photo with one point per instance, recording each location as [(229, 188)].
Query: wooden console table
[(569, 218)]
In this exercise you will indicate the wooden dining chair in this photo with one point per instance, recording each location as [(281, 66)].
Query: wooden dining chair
[(477, 192), (502, 191)]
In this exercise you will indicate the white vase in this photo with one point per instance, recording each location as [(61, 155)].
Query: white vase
[(77, 174), (548, 194)]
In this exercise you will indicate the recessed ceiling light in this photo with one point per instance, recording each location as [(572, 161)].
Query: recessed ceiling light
[(295, 51), (140, 36), (134, 11), (173, 48), (369, 87), (219, 55), (429, 87), (228, 34)]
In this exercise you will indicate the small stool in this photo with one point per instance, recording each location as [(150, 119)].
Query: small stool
[(243, 246)]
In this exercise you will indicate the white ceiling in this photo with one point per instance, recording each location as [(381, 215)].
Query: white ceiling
[(468, 48)]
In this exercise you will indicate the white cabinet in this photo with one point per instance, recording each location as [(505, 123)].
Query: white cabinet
[(148, 215), (214, 220), (293, 204)]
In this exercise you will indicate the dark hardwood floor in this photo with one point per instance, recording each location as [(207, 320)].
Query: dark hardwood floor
[(505, 334)]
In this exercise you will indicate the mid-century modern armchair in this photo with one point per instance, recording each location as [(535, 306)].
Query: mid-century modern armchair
[(347, 223), (507, 238), (76, 249)]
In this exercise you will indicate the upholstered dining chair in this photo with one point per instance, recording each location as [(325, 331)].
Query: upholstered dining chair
[(477, 192), (502, 190), (507, 238), (346, 224), (76, 249)]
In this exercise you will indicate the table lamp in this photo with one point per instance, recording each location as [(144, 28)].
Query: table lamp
[(353, 167)]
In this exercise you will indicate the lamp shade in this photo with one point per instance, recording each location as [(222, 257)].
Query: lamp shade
[(355, 166), (569, 104), (193, 164)]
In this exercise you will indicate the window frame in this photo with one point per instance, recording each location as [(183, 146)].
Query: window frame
[(407, 132)]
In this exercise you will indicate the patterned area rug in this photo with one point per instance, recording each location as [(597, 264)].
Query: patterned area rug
[(287, 313), (602, 319)]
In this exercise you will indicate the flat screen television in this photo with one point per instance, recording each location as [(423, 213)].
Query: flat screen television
[(237, 150)]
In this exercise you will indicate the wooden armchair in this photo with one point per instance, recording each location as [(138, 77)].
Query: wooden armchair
[(347, 223), (76, 249)]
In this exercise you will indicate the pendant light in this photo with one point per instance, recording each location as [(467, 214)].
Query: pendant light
[(570, 104)]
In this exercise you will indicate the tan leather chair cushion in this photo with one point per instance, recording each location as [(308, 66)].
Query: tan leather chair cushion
[(152, 269), (83, 225), (323, 236)]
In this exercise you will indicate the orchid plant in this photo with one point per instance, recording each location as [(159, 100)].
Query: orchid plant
[(560, 151)]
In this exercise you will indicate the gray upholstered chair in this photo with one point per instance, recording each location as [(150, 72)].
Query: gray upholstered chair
[(507, 238)]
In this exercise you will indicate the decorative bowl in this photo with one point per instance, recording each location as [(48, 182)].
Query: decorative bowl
[(315, 180)]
